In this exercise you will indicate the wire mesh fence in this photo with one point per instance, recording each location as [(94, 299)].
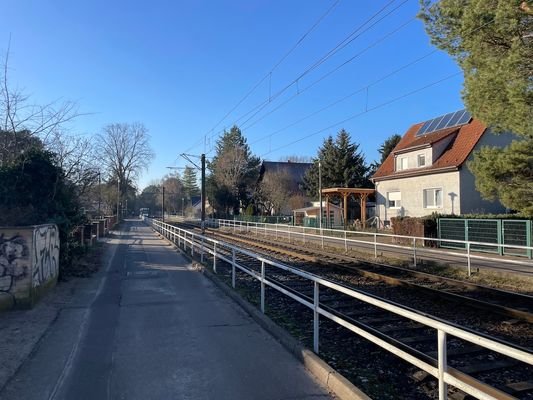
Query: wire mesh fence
[(491, 231)]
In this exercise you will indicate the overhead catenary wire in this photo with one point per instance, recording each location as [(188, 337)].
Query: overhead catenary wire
[(360, 30), (381, 105), (274, 67)]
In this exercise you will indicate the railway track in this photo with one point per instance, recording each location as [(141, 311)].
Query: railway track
[(509, 376)]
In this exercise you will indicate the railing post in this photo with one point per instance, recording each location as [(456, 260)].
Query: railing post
[(289, 232), (303, 233), (263, 287), (316, 320), (375, 245), (443, 364), (414, 251), (345, 243), (233, 268), (276, 231), (192, 244), (234, 226), (322, 237), (202, 251), (185, 241), (265, 230), (468, 261), (215, 258)]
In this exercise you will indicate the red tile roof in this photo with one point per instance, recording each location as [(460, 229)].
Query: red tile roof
[(466, 137)]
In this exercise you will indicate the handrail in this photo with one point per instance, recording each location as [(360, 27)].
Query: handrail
[(317, 234), (445, 374)]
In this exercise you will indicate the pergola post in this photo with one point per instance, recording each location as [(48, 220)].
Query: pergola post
[(363, 208), (345, 210), (327, 213)]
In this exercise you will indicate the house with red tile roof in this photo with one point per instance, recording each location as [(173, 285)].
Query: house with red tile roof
[(427, 172)]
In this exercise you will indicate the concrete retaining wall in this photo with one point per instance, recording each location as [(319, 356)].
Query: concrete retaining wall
[(29, 264)]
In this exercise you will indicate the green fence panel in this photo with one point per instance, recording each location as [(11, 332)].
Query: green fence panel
[(516, 233), (486, 231), (496, 231), (452, 228)]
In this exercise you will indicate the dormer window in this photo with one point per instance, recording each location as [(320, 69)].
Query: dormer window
[(401, 163), (421, 160)]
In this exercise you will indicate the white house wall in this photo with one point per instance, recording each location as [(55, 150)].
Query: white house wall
[(412, 158), (412, 195)]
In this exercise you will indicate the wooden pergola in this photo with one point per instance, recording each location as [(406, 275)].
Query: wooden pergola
[(358, 193)]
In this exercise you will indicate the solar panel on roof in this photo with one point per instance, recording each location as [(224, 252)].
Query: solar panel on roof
[(444, 121), (449, 120)]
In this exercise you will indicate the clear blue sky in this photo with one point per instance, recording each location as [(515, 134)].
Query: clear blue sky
[(179, 67)]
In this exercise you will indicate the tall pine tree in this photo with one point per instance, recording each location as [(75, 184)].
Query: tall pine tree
[(343, 165)]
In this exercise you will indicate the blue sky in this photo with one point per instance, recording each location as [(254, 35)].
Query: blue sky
[(179, 67)]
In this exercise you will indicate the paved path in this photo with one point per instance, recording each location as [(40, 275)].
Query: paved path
[(149, 327)]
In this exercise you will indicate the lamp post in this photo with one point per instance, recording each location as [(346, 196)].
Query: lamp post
[(118, 199), (99, 192)]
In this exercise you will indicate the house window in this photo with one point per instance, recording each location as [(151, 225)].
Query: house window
[(401, 163), (421, 160), (394, 199), (432, 198)]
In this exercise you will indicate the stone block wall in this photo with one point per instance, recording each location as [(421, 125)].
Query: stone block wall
[(29, 264)]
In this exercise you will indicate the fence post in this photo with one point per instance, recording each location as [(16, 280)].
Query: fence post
[(303, 234), (233, 268), (192, 244), (263, 287), (265, 229), (414, 250), (468, 258), (501, 249), (375, 245), (322, 237), (202, 251), (443, 364), (316, 321), (345, 243), (215, 258), (276, 231)]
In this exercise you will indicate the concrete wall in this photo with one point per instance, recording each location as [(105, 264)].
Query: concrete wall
[(412, 192), (29, 263)]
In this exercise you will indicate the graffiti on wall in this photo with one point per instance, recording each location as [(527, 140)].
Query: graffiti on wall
[(13, 262), (45, 254)]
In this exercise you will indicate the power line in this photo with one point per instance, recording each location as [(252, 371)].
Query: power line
[(344, 63), (348, 39), (277, 64), (360, 90), (364, 112)]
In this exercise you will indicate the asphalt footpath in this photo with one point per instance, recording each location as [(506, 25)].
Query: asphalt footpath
[(148, 326)]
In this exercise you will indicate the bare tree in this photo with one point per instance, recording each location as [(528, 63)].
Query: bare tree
[(124, 150), (275, 191), (76, 157), (18, 114)]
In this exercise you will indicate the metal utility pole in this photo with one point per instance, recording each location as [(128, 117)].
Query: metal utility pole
[(99, 193), (118, 199), (203, 193), (320, 195), (163, 206)]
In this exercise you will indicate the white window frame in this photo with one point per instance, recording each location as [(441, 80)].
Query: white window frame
[(395, 207), (418, 158), (434, 197), (399, 163)]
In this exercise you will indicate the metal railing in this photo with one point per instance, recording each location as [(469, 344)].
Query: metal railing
[(440, 369), (376, 242)]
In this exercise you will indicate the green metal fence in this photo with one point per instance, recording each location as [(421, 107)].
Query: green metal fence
[(490, 231)]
